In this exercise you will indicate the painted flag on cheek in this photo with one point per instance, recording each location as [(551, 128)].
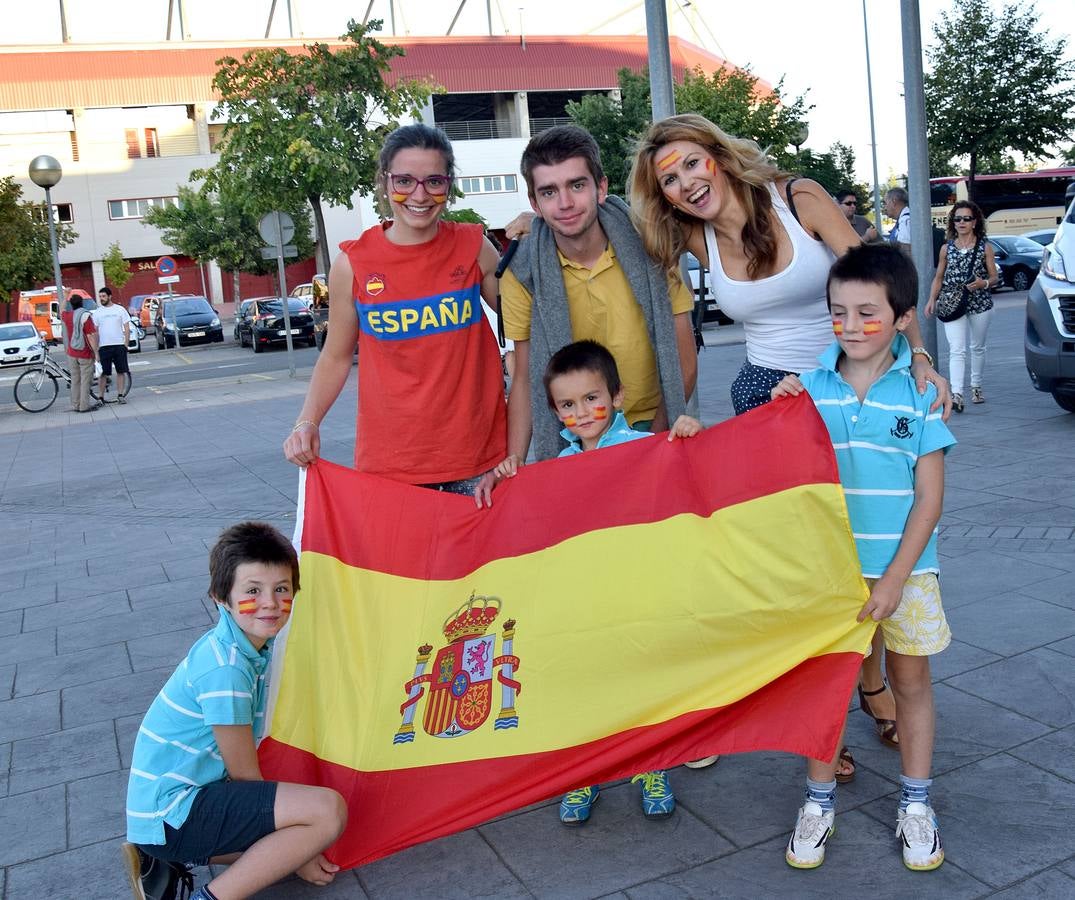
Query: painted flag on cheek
[(445, 665)]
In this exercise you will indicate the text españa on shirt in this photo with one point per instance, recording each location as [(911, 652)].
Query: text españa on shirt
[(403, 319)]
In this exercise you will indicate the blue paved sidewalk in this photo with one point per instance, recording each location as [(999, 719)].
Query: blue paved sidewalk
[(102, 588)]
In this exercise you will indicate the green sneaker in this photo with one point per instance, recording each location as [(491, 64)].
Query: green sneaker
[(576, 805), (658, 801)]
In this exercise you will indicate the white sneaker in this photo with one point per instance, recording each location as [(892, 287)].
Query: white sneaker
[(704, 763), (813, 827), (916, 827)]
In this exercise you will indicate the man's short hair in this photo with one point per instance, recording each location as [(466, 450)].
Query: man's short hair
[(248, 542), (898, 194), (882, 264), (557, 144), (582, 356), (841, 196), (105, 290), (76, 302)]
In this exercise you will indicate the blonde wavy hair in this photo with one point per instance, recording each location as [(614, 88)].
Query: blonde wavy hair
[(747, 169)]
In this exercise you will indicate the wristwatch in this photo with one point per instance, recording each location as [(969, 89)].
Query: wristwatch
[(922, 351)]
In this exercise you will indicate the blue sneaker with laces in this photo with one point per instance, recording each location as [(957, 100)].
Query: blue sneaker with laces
[(658, 801), (576, 805)]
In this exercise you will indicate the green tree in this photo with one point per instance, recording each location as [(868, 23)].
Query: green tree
[(223, 227), (833, 169), (732, 98), (466, 214), (997, 84), (25, 253), (309, 125), (115, 266)]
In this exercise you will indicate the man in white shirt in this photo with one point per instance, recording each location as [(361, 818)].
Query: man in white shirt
[(896, 207), (114, 330)]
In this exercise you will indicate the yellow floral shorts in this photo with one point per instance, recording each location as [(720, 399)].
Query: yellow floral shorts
[(918, 626)]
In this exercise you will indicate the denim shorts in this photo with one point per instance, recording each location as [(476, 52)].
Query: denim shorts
[(226, 817)]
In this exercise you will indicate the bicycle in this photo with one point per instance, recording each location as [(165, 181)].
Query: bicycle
[(37, 388)]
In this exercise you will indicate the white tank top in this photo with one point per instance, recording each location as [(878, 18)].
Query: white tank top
[(785, 318)]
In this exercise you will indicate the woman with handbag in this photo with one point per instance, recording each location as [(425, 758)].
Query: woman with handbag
[(960, 297)]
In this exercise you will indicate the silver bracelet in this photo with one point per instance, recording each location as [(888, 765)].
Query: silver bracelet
[(302, 422)]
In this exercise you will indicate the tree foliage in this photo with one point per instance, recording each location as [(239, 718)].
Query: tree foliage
[(223, 227), (116, 270), (834, 169), (25, 252), (997, 84), (732, 98), (309, 125)]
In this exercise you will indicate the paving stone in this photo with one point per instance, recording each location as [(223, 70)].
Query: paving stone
[(126, 731), (968, 729), (129, 626), (1010, 624), (38, 762), (90, 871), (35, 826), (10, 622), (7, 682), (1054, 752), (105, 700), (51, 575), (1038, 837), (176, 591), (83, 667), (119, 578), (975, 575), (1039, 684), (166, 649), (34, 645), (1066, 646), (79, 609), (554, 861), (441, 868), (344, 887), (96, 808), (761, 871), (1059, 590), (1047, 885), (957, 658), (29, 716), (5, 764), (27, 597)]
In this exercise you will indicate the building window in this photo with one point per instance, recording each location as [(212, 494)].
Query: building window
[(488, 184), (136, 209), (152, 147), (61, 213), (136, 149)]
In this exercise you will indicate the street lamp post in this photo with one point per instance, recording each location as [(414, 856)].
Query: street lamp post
[(46, 172)]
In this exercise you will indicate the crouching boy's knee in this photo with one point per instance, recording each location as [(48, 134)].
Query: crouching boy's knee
[(332, 812)]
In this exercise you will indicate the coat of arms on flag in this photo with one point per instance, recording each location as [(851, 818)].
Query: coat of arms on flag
[(461, 682)]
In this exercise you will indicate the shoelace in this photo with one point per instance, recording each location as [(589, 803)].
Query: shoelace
[(918, 829), (810, 827), (653, 783), (576, 798), (186, 881)]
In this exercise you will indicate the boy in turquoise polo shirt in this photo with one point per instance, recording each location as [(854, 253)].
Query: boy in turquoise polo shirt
[(195, 794), (890, 451)]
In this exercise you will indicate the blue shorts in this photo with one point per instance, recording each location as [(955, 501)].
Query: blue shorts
[(226, 817)]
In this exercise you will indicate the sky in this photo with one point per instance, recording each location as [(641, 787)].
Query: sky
[(818, 48)]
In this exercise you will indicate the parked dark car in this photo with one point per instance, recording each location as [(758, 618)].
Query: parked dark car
[(1019, 259), (241, 311), (1043, 236), (187, 320), (263, 323)]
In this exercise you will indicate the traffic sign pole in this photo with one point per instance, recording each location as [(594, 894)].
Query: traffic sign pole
[(280, 241)]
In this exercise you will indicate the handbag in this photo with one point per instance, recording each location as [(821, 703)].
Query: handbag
[(959, 308)]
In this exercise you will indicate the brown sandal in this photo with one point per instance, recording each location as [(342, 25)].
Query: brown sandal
[(886, 728), (848, 760)]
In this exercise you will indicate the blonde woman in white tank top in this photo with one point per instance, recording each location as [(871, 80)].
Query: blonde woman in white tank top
[(769, 240)]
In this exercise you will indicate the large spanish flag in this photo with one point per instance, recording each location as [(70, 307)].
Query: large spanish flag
[(613, 613)]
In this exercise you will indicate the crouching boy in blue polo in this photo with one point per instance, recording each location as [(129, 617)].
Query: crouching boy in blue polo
[(195, 793)]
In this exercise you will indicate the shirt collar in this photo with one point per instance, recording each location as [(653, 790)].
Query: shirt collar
[(901, 350), (604, 260), (228, 632)]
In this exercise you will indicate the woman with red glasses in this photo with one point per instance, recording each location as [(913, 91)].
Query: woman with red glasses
[(960, 297), (408, 293)]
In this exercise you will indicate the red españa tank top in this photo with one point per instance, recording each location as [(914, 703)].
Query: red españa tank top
[(430, 386)]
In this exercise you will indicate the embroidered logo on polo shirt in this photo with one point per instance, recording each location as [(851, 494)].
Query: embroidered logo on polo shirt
[(903, 428)]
